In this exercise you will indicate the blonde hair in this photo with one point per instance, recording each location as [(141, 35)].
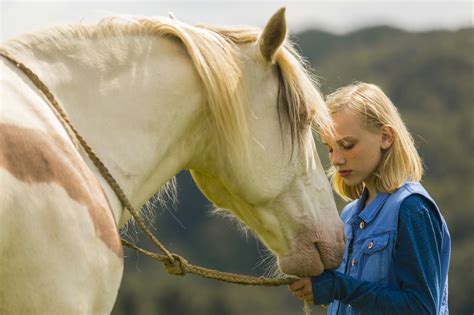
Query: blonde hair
[(400, 162)]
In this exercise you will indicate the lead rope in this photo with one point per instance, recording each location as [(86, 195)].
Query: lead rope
[(174, 263)]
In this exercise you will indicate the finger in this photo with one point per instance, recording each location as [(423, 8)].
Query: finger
[(300, 297), (308, 289), (297, 285), (298, 293), (308, 297)]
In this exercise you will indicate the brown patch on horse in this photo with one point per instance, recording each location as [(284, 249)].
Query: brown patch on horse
[(34, 156)]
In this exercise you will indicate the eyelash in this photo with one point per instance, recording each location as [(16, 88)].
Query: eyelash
[(346, 148)]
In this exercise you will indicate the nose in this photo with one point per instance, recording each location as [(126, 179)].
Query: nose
[(337, 158)]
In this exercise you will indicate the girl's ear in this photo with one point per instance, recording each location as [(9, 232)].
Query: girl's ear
[(388, 136)]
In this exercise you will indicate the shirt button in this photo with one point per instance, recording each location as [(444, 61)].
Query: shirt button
[(370, 245), (353, 262), (362, 225)]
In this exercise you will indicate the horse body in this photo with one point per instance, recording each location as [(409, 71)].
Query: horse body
[(140, 100), (73, 260)]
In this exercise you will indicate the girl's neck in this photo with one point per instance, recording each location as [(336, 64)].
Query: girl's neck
[(371, 190)]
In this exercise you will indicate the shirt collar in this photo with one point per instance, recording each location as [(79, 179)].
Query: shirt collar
[(373, 208)]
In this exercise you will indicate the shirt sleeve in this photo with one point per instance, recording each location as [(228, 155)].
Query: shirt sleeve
[(416, 263)]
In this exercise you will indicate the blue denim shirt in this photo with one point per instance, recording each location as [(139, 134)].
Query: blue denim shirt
[(396, 257)]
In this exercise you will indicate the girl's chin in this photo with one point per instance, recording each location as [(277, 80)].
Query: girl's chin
[(351, 181)]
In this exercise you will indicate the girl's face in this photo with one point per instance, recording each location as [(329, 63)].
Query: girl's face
[(356, 152)]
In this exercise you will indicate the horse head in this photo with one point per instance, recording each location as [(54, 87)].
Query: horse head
[(275, 183)]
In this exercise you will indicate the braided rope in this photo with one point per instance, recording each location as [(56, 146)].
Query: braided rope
[(181, 267), (174, 263)]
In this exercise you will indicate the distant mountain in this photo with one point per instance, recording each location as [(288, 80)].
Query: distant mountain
[(317, 45)]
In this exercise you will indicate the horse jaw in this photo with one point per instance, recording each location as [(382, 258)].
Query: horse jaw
[(300, 226), (303, 228)]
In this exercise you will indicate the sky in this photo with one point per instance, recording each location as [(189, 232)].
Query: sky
[(334, 16)]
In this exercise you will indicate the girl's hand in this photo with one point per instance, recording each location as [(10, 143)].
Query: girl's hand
[(302, 289)]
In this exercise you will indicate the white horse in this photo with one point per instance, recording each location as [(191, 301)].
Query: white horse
[(152, 97)]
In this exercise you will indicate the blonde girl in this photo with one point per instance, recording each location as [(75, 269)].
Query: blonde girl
[(397, 250)]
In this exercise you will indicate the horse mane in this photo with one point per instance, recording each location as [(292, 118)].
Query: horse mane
[(216, 57), (214, 52)]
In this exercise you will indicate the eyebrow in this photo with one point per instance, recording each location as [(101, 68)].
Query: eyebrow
[(349, 138)]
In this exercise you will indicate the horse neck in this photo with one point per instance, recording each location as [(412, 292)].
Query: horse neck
[(135, 100)]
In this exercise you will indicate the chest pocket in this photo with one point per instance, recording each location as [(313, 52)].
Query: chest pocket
[(375, 259)]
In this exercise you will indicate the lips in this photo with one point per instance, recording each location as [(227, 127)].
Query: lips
[(345, 173)]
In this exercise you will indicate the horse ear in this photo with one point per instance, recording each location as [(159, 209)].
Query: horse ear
[(273, 35)]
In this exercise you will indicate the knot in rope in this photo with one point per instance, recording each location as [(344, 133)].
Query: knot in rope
[(177, 266)]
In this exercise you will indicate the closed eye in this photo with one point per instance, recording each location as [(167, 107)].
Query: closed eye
[(348, 147)]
